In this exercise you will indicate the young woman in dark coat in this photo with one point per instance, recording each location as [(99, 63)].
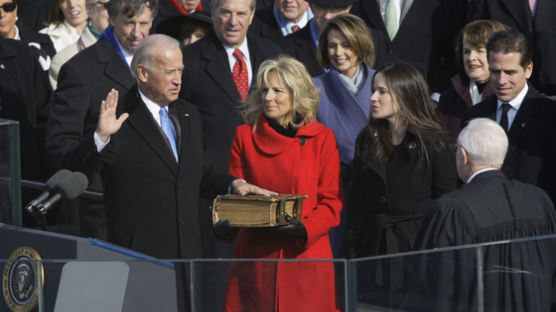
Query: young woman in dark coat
[(403, 158)]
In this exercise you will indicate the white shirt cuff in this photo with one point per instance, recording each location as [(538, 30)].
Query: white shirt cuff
[(99, 144)]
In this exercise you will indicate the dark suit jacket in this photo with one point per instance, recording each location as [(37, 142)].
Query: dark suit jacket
[(425, 38), (25, 96), (83, 82), (540, 32), (531, 152), (152, 201), (518, 276), (265, 25), (208, 84), (301, 46)]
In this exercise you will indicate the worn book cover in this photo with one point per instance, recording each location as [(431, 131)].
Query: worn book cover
[(258, 211)]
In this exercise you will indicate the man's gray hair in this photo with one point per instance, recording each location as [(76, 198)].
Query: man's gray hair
[(145, 54), (485, 142), (216, 3)]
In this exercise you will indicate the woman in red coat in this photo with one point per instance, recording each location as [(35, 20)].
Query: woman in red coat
[(284, 149)]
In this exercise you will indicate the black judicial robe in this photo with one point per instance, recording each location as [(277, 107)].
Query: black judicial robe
[(517, 276)]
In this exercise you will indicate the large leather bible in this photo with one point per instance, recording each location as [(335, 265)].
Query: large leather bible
[(258, 211)]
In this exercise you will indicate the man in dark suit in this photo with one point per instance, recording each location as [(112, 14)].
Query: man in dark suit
[(208, 74), (152, 179), (282, 18), (521, 110), (83, 83), (303, 44), (535, 19), (152, 166), (419, 32), (489, 207)]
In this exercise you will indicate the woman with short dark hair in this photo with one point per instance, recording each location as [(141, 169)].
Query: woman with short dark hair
[(469, 86), (346, 48)]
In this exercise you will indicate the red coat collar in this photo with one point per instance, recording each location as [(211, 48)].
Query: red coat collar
[(271, 142)]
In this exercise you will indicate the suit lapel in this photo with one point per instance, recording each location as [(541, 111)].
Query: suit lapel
[(490, 108), (373, 12), (116, 69), (217, 67), (524, 116), (142, 121), (405, 8), (182, 120), (520, 12), (543, 14)]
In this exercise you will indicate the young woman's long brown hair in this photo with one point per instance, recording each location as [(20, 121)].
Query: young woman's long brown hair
[(416, 112)]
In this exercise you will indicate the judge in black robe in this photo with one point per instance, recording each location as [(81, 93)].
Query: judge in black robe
[(516, 275)]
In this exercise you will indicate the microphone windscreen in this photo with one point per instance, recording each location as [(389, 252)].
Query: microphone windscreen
[(56, 178), (73, 185)]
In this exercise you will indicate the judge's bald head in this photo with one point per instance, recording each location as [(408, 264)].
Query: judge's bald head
[(481, 144)]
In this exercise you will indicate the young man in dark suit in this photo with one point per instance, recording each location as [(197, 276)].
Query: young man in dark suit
[(303, 44), (535, 19), (489, 207), (526, 115), (83, 83)]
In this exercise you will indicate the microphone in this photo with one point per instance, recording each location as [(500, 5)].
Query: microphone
[(49, 187), (69, 188)]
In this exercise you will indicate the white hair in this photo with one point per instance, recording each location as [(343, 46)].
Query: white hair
[(485, 142), (145, 53)]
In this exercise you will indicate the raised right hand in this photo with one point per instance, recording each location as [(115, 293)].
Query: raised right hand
[(108, 124)]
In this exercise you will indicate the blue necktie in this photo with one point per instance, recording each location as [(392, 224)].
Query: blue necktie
[(169, 130)]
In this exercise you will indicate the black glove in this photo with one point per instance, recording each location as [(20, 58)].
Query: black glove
[(223, 229), (295, 229)]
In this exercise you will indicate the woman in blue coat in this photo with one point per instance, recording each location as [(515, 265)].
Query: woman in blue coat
[(345, 48)]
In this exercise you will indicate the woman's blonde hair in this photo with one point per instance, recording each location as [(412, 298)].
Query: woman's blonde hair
[(292, 73)]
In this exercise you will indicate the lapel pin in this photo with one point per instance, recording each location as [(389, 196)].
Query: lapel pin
[(523, 125), (186, 115), (412, 145), (2, 66)]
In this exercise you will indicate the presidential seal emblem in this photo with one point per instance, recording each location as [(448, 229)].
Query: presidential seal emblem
[(19, 281)]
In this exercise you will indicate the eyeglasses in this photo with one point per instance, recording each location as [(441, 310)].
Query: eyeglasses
[(8, 6)]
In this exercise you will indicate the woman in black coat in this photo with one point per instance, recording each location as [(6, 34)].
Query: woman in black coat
[(403, 159)]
